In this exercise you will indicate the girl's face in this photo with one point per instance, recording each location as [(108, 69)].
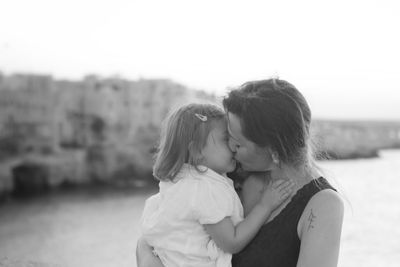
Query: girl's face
[(251, 156), (216, 153)]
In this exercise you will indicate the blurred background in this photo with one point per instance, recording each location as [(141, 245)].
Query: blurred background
[(85, 85)]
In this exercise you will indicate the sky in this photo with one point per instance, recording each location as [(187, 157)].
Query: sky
[(343, 55)]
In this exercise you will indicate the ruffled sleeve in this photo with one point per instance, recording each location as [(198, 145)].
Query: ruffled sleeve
[(212, 202)]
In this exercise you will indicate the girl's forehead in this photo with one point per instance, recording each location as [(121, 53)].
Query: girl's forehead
[(221, 125), (234, 126)]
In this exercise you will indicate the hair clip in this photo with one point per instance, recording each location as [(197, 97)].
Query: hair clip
[(201, 117)]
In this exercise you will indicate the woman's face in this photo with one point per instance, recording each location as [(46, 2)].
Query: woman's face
[(251, 156)]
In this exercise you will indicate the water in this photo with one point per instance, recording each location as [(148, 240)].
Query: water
[(371, 233), (99, 227)]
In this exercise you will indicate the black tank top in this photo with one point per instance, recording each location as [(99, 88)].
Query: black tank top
[(277, 243)]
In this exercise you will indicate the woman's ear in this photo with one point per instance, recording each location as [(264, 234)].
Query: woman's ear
[(274, 156)]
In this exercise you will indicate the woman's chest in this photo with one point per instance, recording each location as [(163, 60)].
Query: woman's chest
[(250, 194), (274, 246)]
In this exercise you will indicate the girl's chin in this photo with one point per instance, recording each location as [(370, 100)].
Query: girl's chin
[(231, 167), (234, 164)]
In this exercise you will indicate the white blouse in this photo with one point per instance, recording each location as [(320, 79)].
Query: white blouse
[(172, 220)]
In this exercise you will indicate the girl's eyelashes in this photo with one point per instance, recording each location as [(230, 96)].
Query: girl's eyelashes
[(235, 143)]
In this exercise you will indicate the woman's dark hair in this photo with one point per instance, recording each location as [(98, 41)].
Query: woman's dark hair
[(273, 113)]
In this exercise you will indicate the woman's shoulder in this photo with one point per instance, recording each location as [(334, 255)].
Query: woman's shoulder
[(325, 207), (319, 193), (325, 199)]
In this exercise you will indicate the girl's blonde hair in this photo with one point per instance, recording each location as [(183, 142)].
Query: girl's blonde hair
[(183, 135)]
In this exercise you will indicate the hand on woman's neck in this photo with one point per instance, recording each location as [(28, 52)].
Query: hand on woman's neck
[(300, 175)]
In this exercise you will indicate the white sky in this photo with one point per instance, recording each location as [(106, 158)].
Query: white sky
[(344, 55)]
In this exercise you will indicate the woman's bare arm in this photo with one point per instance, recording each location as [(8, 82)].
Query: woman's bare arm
[(145, 256), (320, 229)]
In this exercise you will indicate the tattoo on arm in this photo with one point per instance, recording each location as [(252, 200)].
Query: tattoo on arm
[(311, 219)]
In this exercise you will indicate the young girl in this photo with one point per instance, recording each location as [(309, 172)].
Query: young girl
[(196, 219)]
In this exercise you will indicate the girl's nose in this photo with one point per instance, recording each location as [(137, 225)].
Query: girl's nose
[(232, 146)]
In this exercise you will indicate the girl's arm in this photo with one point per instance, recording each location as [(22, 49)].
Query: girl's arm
[(145, 256), (233, 239), (319, 230)]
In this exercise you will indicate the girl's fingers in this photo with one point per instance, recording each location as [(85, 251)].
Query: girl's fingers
[(286, 185), (286, 191), (277, 183), (280, 183), (285, 195), (290, 187)]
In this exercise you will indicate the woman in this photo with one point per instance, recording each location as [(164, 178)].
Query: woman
[(269, 127)]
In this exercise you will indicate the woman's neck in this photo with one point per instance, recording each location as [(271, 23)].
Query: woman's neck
[(300, 175)]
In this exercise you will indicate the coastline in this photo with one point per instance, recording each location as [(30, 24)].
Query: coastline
[(34, 185)]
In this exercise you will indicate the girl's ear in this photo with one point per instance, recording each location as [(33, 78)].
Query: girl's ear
[(194, 154)]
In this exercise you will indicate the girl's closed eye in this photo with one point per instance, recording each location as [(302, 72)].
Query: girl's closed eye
[(233, 144), (236, 144)]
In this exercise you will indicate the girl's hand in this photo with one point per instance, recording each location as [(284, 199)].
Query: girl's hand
[(276, 193), (145, 256)]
